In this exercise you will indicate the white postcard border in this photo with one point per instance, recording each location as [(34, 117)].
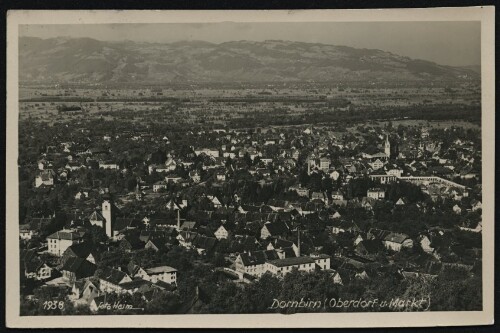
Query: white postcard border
[(391, 319)]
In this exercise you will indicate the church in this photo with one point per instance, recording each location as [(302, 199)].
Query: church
[(387, 147), (375, 153), (105, 217)]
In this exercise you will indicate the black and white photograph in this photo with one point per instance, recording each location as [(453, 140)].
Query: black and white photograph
[(286, 163)]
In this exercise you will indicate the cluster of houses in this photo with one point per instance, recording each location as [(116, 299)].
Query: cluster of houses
[(255, 237), (74, 267)]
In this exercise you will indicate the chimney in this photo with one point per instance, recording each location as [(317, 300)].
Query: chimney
[(178, 220), (298, 241)]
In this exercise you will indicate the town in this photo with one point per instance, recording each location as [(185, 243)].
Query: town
[(132, 216)]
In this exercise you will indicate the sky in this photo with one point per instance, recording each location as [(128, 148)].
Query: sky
[(447, 43)]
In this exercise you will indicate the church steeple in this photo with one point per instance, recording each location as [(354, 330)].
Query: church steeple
[(108, 219), (387, 146)]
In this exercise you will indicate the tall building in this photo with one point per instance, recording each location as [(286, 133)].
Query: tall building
[(324, 164), (387, 146), (311, 162), (107, 214)]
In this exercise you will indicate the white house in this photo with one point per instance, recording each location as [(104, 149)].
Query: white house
[(44, 177), (84, 290), (396, 241), (321, 260), (376, 193), (96, 218), (425, 243), (173, 178), (26, 232), (284, 266), (59, 241), (253, 264), (337, 195), (166, 274), (395, 172), (159, 168), (229, 154), (324, 164), (195, 176), (159, 185), (377, 164), (108, 165), (81, 194), (221, 233), (334, 175), (283, 248), (215, 201), (37, 270), (335, 215), (207, 151), (170, 164), (110, 280), (337, 279)]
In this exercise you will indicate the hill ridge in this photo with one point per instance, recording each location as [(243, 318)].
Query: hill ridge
[(64, 59)]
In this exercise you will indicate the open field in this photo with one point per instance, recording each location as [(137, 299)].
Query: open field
[(432, 124), (267, 104)]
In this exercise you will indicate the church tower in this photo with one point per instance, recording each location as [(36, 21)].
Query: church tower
[(106, 213), (311, 163), (387, 147)]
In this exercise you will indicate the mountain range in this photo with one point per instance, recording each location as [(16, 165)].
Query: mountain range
[(87, 60)]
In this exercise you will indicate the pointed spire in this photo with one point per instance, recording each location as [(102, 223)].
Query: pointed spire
[(387, 146)]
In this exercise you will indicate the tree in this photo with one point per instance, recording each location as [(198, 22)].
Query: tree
[(218, 260), (248, 160), (315, 182), (456, 290), (315, 286), (163, 302), (224, 300), (131, 183), (98, 235), (303, 177)]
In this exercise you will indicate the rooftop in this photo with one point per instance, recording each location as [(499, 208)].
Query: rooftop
[(292, 261), (65, 234), (160, 269)]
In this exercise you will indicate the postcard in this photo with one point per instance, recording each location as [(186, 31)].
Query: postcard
[(250, 169)]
